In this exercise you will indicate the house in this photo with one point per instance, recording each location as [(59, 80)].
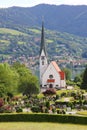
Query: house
[(51, 75)]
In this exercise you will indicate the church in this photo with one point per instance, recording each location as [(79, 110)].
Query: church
[(51, 75)]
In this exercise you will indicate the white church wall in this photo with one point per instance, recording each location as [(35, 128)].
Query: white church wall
[(56, 76), (43, 66)]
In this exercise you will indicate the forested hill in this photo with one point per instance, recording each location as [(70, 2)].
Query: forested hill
[(63, 18), (25, 42)]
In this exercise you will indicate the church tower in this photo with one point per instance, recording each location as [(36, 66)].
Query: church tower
[(43, 56)]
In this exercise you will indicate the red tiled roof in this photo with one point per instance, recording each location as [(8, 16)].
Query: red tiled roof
[(62, 74), (56, 66)]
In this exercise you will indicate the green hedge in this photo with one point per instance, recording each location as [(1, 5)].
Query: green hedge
[(43, 118)]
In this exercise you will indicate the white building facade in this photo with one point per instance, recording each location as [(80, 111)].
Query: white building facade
[(53, 77)]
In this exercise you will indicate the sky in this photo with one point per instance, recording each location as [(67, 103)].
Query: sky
[(30, 3)]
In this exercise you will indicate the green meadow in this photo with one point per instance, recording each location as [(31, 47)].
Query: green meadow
[(11, 31), (40, 126)]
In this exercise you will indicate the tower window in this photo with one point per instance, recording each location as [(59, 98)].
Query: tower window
[(42, 57), (42, 62)]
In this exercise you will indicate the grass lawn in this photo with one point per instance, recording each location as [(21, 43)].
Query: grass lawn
[(82, 112), (40, 126)]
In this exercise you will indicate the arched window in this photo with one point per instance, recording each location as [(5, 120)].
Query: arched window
[(51, 76)]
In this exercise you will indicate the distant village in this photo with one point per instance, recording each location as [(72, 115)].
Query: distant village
[(33, 62)]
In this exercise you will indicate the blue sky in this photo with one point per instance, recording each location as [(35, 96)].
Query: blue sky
[(29, 3)]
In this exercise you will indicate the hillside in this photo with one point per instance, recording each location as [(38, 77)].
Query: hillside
[(65, 31), (63, 18), (25, 42)]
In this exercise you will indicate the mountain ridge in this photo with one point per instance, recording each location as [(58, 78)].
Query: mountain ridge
[(63, 18)]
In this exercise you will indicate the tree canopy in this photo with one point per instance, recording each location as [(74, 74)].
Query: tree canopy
[(28, 83), (8, 79), (17, 78)]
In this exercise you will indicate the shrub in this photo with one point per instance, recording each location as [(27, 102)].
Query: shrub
[(70, 104), (58, 111), (85, 102), (53, 110), (46, 110), (10, 95), (57, 96), (61, 111), (48, 104), (43, 118), (18, 109), (84, 107), (1, 102), (50, 91), (63, 94), (1, 109), (73, 94), (35, 109)]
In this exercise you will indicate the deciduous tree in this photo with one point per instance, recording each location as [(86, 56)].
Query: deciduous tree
[(28, 83), (8, 79)]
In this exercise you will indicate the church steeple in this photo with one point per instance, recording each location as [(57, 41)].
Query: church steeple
[(42, 40), (43, 57)]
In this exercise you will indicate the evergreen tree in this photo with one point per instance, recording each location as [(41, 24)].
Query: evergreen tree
[(84, 80)]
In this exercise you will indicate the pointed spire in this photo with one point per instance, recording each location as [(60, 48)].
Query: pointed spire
[(42, 40)]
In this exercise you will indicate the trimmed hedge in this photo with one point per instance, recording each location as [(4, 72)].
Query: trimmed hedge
[(43, 118)]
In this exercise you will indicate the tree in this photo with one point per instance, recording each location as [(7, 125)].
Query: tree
[(2, 90), (28, 83), (78, 80), (8, 79), (67, 73), (84, 80)]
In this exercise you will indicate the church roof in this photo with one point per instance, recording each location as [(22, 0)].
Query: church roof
[(62, 74), (56, 66)]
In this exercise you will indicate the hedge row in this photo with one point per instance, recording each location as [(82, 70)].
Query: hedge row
[(43, 118)]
